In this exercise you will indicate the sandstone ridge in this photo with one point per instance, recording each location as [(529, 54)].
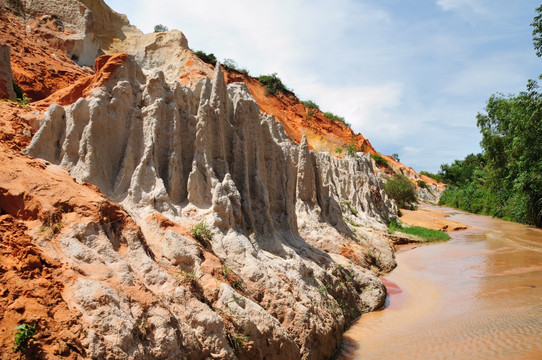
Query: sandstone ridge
[(297, 229)]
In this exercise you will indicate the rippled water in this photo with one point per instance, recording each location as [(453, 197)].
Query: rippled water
[(478, 296)]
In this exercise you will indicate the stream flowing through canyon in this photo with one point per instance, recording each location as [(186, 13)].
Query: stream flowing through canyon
[(477, 296)]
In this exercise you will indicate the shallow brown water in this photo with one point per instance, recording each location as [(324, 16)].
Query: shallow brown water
[(478, 296)]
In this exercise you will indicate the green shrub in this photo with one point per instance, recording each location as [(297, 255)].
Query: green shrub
[(400, 189), (208, 58), (338, 118), (24, 334), (160, 28), (272, 84), (422, 184), (428, 235), (351, 149), (230, 64), (22, 99), (379, 160), (310, 104)]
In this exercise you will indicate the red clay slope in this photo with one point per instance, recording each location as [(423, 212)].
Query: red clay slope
[(323, 134)]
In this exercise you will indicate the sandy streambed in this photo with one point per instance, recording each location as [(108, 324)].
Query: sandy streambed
[(478, 296)]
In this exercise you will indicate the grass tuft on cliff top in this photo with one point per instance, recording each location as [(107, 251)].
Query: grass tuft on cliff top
[(429, 235)]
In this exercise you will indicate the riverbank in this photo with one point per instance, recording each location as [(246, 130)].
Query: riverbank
[(432, 217), (473, 297)]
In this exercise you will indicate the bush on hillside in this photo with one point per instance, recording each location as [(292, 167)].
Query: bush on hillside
[(379, 160), (400, 189), (272, 84), (208, 58), (230, 64), (310, 104), (338, 118)]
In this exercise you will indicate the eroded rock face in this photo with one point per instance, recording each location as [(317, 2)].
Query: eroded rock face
[(293, 231), (6, 76), (84, 29)]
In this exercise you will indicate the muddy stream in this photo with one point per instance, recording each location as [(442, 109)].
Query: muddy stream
[(478, 296)]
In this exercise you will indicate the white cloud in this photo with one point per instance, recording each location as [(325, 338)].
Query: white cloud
[(498, 73), (364, 107), (407, 76), (462, 6)]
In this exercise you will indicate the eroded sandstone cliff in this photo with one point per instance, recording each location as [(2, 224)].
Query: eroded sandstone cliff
[(295, 241), (277, 211)]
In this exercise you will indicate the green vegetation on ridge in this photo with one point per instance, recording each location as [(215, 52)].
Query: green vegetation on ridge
[(379, 160), (272, 84), (208, 58)]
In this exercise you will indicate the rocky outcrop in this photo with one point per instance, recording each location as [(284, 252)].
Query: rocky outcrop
[(284, 269), (83, 29), (38, 62), (6, 76)]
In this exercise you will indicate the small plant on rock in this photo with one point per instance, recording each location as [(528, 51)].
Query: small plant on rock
[(202, 233), (24, 334), (236, 341), (192, 277), (52, 225)]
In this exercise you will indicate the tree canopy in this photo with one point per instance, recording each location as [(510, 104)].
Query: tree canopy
[(506, 179)]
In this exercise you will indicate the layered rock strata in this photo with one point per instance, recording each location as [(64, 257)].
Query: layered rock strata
[(284, 269)]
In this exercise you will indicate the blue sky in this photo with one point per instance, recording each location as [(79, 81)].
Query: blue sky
[(410, 75)]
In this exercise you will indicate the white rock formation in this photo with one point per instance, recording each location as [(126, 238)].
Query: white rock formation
[(284, 220)]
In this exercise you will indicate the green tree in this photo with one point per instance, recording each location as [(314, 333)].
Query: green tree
[(400, 189), (160, 28), (395, 156), (537, 31), (512, 139)]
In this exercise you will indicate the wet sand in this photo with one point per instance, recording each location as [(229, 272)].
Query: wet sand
[(478, 296)]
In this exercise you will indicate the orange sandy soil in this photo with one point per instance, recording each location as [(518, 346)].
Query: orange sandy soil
[(432, 218), (105, 66), (38, 61), (33, 194)]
